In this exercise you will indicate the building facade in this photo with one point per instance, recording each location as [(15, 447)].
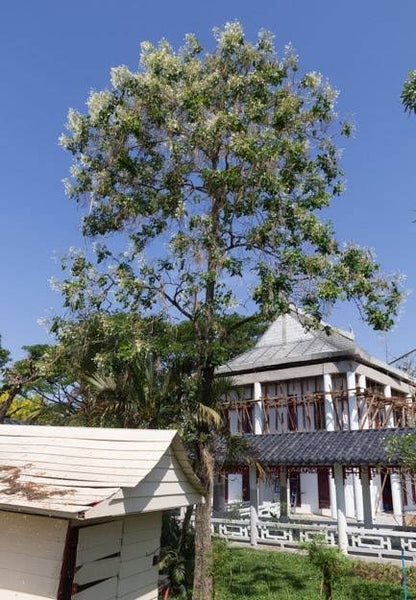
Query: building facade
[(297, 380)]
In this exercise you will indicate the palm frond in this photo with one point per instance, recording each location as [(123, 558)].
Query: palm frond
[(209, 415)]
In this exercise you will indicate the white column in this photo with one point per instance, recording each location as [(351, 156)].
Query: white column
[(366, 497), (341, 517), (353, 417), (396, 486), (352, 400), (389, 407), (362, 384), (332, 497), (254, 505), (283, 494), (219, 493), (329, 404), (258, 416), (330, 426), (396, 494)]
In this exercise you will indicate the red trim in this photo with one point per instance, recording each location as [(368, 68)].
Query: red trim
[(66, 583)]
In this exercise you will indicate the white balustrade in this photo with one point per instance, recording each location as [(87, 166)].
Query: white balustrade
[(376, 543)]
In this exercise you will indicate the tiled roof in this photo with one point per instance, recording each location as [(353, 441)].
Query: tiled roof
[(366, 447), (287, 342), (320, 345)]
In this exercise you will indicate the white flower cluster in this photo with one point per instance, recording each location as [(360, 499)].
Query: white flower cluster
[(98, 104), (313, 80), (120, 76)]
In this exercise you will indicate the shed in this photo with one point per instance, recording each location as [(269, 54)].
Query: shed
[(81, 510)]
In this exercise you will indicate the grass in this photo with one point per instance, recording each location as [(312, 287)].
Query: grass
[(246, 574)]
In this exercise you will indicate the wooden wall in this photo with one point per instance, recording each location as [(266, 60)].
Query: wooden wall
[(31, 552), (115, 560)]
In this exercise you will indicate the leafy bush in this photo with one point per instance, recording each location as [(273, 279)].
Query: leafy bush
[(331, 563), (177, 554)]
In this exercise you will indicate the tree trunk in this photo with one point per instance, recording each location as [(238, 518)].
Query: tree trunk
[(4, 408), (185, 527), (327, 587), (203, 588)]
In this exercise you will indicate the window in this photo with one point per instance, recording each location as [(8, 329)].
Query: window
[(324, 500)]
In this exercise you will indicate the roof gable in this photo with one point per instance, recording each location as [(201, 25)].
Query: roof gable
[(286, 329), (68, 470), (288, 340)]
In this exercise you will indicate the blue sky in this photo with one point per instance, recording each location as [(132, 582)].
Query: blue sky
[(52, 53)]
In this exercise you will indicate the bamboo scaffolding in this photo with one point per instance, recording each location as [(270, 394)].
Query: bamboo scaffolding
[(306, 412)]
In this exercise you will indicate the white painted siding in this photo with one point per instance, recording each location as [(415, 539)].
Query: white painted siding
[(138, 576), (162, 489), (31, 552), (98, 560), (64, 471)]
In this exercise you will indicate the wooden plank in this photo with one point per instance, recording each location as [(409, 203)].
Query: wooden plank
[(125, 469), (137, 526), (48, 506), (135, 551), (29, 563), (120, 505), (106, 590), (99, 481), (137, 537), (27, 588), (97, 570), (137, 581), (93, 535), (64, 491), (149, 592), (128, 568), (119, 445), (31, 550), (107, 548), (65, 501), (159, 488), (7, 458), (20, 534), (109, 453), (88, 433)]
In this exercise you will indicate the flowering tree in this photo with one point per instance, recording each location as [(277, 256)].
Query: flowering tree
[(203, 175)]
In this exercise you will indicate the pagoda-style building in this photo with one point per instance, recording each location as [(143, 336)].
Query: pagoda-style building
[(296, 385)]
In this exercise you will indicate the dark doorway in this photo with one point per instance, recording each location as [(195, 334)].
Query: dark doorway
[(295, 491), (246, 485), (324, 499), (387, 495)]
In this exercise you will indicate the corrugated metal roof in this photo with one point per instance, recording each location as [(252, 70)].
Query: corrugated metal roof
[(366, 447), (67, 470)]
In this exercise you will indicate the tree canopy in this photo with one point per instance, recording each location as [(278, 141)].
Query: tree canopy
[(214, 166)]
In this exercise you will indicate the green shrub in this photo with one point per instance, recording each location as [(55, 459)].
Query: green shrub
[(331, 563)]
